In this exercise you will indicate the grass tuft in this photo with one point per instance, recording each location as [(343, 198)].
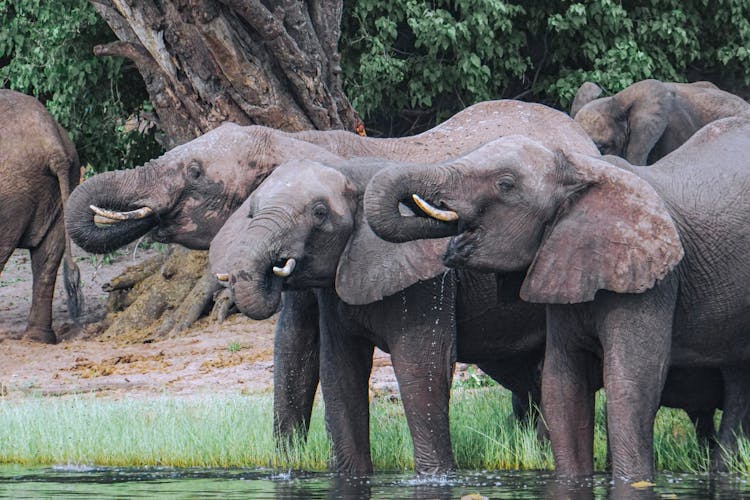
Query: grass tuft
[(236, 431)]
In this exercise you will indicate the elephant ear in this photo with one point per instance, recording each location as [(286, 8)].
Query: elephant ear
[(649, 104), (371, 268), (587, 92), (613, 234)]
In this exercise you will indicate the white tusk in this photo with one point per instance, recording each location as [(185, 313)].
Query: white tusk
[(222, 277), (435, 213), (285, 271), (103, 216)]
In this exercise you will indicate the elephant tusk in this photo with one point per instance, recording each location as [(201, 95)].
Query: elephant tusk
[(223, 277), (285, 271), (103, 216), (104, 221), (435, 213)]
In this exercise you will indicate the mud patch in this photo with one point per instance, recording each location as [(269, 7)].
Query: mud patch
[(121, 365), (234, 359)]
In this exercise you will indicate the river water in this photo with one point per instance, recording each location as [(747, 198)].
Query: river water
[(103, 483)]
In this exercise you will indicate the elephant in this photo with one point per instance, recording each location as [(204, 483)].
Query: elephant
[(639, 268), (187, 194), (39, 166), (650, 118)]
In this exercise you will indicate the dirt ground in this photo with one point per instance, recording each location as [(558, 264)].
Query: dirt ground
[(233, 357)]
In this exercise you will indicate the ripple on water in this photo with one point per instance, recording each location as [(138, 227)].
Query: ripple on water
[(108, 482)]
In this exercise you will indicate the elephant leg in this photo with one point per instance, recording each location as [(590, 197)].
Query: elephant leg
[(568, 394), (736, 405), (423, 353), (5, 253), (345, 366), (11, 235), (296, 357), (45, 260), (635, 332), (423, 364)]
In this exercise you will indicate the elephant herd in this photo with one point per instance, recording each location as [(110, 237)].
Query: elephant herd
[(501, 237)]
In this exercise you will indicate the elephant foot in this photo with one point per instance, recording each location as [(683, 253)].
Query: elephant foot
[(37, 334), (357, 465)]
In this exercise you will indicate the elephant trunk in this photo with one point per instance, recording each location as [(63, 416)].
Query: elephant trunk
[(103, 214), (257, 295), (392, 188), (245, 255)]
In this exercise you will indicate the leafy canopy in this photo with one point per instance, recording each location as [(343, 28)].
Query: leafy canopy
[(407, 64), (442, 55)]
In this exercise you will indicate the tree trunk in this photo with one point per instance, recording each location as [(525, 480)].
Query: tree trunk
[(264, 62), (272, 62)]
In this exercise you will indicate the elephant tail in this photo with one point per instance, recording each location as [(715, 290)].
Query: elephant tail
[(67, 168)]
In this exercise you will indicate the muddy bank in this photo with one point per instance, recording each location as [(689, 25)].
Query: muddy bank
[(233, 357)]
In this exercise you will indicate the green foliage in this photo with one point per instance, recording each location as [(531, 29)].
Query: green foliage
[(440, 55), (46, 51), (418, 54)]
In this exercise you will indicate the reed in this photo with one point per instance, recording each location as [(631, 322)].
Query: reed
[(236, 431)]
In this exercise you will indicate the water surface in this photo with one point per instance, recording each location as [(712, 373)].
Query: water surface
[(104, 483)]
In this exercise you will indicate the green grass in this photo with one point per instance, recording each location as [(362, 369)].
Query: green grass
[(233, 431)]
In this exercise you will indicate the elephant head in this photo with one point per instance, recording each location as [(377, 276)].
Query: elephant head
[(629, 123), (576, 223), (304, 228), (185, 195), (650, 119)]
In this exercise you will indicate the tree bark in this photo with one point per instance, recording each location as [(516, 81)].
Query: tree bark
[(263, 62), (271, 62)]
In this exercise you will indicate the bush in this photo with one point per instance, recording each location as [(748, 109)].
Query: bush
[(46, 51), (408, 64)]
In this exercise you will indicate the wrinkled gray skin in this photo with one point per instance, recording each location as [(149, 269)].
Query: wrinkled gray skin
[(193, 188), (650, 118), (39, 167), (400, 298), (604, 248)]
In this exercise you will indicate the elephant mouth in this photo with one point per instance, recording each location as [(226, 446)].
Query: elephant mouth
[(461, 248)]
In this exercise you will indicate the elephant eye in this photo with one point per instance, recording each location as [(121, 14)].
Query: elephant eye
[(194, 171), (320, 212), (505, 183)]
